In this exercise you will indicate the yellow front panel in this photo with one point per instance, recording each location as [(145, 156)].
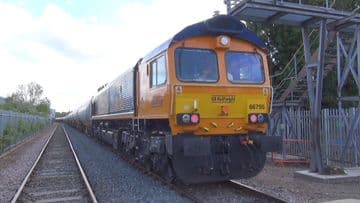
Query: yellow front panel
[(210, 100), (210, 105)]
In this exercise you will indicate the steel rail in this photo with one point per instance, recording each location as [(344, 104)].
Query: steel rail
[(18, 192), (151, 174), (88, 186), (256, 192), (180, 189), (157, 177)]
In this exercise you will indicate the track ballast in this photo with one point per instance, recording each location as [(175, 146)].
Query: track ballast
[(56, 176)]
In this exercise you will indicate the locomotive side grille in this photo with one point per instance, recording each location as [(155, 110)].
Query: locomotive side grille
[(122, 93)]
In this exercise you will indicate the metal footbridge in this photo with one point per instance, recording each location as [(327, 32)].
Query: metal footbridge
[(331, 42)]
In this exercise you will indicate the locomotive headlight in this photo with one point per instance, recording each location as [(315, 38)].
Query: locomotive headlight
[(224, 40), (258, 118), (185, 118), (188, 118), (253, 118), (195, 118), (261, 118)]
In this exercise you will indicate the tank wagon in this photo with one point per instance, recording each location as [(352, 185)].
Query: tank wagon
[(195, 108)]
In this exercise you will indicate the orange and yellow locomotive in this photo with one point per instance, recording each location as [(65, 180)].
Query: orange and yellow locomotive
[(195, 108)]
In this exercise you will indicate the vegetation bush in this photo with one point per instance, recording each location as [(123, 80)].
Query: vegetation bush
[(21, 129)]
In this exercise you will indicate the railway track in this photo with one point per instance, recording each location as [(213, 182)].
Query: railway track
[(230, 191), (56, 175), (191, 192), (268, 197), (154, 175)]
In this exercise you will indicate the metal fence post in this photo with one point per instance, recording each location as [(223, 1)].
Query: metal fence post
[(324, 129)]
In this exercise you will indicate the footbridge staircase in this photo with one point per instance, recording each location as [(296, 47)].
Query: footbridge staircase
[(291, 86)]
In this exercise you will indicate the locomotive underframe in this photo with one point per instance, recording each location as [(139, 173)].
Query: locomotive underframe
[(187, 157)]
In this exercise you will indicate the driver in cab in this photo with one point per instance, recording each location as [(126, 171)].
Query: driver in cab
[(207, 74)]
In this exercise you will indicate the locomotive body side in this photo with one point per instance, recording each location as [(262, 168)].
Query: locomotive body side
[(116, 98), (154, 98)]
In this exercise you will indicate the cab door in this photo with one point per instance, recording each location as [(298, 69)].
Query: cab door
[(153, 102)]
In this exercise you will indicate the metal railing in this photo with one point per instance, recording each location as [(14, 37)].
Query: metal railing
[(16, 127), (231, 4), (292, 68), (295, 128)]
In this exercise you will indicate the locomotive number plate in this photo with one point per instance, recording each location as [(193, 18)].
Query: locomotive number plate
[(223, 99), (256, 106)]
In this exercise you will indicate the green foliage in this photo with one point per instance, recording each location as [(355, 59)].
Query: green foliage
[(13, 132), (10, 130), (61, 114), (43, 106), (329, 93), (23, 127), (28, 99), (9, 135), (37, 126), (5, 140)]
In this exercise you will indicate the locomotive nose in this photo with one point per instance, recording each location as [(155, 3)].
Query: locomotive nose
[(230, 111)]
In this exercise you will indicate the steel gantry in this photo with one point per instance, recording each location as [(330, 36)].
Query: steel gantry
[(349, 68), (331, 25)]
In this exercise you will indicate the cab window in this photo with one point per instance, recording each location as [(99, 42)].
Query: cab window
[(158, 72), (244, 67), (196, 65)]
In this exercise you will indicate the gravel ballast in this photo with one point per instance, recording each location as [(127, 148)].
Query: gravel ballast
[(56, 177), (280, 182), (15, 165), (113, 179), (222, 192)]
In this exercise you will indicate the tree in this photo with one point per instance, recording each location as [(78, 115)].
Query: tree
[(28, 99), (34, 92), (44, 106), (61, 114)]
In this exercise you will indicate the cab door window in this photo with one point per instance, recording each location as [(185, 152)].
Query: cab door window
[(158, 72)]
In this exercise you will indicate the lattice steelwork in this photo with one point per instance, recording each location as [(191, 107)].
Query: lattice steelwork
[(330, 25)]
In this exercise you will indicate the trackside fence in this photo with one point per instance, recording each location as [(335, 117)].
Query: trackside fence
[(340, 136), (16, 127)]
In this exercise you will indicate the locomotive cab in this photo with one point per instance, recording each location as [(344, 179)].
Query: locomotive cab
[(227, 89), (221, 99)]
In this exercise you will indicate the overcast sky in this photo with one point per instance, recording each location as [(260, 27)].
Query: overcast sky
[(71, 47)]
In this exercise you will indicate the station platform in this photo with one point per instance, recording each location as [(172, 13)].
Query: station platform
[(351, 175), (344, 201)]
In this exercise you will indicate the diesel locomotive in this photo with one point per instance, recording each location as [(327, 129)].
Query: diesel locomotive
[(195, 108)]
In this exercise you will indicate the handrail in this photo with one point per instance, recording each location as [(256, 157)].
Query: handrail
[(230, 4), (288, 73), (292, 58)]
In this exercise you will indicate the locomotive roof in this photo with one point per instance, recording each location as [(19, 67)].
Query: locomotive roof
[(218, 25)]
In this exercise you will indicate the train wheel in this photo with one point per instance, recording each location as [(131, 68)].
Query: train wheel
[(257, 162)]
